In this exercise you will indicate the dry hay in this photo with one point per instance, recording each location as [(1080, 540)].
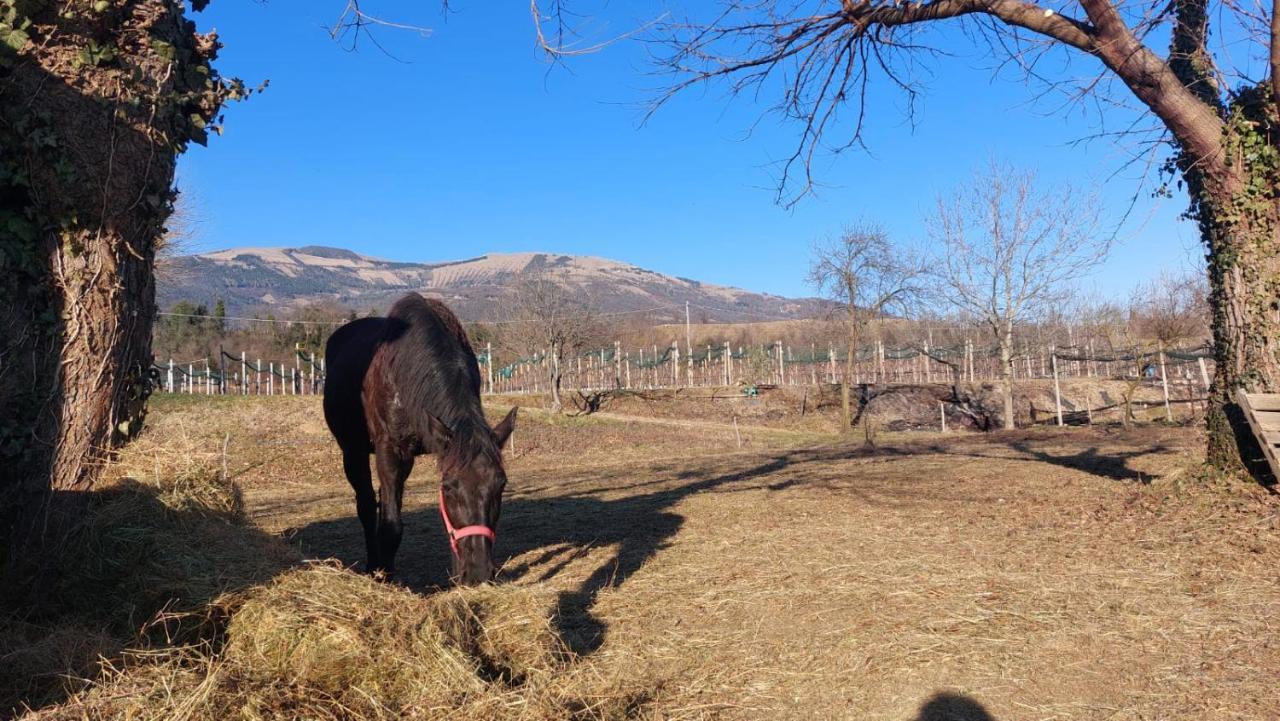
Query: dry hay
[(165, 602), (325, 643)]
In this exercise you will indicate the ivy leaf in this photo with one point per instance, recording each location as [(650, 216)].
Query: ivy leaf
[(15, 39)]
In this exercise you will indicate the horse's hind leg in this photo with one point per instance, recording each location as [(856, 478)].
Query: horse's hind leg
[(393, 469), (356, 465)]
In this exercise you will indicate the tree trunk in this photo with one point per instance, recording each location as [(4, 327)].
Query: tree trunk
[(846, 414), (1244, 281), (1006, 377), (556, 404), (94, 109), (1235, 197)]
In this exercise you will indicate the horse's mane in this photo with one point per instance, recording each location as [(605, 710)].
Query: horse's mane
[(437, 374)]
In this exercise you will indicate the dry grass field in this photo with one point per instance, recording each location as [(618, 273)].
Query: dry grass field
[(657, 570)]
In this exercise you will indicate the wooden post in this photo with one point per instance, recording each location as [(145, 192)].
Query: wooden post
[(1088, 404), (782, 373), (170, 375), (1204, 373), (728, 364), (244, 375), (1057, 391), (1164, 385), (675, 364), (271, 378), (488, 355), (617, 364), (942, 406), (928, 372), (191, 379), (628, 367), (257, 376)]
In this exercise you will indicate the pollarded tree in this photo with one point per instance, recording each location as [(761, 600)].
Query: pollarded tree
[(97, 99), (1008, 252), (1209, 102)]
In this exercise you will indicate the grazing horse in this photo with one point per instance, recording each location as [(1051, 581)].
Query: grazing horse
[(402, 386)]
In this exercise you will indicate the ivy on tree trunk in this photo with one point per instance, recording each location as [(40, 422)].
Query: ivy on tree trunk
[(97, 100)]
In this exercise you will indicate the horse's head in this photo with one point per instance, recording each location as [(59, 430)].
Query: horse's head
[(472, 481)]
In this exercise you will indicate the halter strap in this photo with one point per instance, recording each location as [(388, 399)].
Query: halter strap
[(457, 533)]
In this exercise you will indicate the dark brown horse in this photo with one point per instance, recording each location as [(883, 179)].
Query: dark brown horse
[(402, 386)]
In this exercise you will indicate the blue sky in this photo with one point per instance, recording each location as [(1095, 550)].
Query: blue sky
[(468, 141)]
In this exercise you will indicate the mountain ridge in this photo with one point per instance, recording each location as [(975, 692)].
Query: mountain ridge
[(251, 279)]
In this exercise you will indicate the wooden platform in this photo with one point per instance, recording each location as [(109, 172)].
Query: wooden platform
[(1263, 412)]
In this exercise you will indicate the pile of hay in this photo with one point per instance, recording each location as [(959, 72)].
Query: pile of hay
[(141, 547), (323, 642), (163, 601)]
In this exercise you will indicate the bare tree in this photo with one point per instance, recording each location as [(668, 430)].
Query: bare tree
[(1216, 103), (869, 278), (546, 314), (1009, 252), (1171, 308)]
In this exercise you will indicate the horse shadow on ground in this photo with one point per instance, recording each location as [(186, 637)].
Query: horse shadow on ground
[(549, 533), (558, 530)]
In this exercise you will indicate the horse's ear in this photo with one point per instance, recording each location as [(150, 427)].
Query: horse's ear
[(502, 431)]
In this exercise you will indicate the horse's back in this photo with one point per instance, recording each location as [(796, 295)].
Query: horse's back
[(348, 355), (443, 350)]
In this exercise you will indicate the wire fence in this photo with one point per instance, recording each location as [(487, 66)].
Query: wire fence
[(776, 364)]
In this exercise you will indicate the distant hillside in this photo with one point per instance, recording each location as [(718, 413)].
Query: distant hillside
[(254, 279)]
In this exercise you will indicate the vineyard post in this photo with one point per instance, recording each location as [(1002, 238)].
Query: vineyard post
[(1164, 385), (1204, 373), (244, 375), (1057, 391), (928, 370), (942, 406), (297, 371), (728, 364), (257, 376), (271, 378), (222, 370), (782, 371), (628, 368), (191, 379), (617, 364), (171, 375), (675, 364)]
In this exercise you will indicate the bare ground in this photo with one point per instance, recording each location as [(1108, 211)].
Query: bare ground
[(1075, 574)]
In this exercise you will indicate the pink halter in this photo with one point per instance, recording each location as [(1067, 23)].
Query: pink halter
[(457, 533)]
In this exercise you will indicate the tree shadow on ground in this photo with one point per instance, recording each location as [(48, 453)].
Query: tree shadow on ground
[(1113, 465), (128, 552)]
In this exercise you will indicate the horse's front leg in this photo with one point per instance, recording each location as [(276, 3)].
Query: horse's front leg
[(393, 469)]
